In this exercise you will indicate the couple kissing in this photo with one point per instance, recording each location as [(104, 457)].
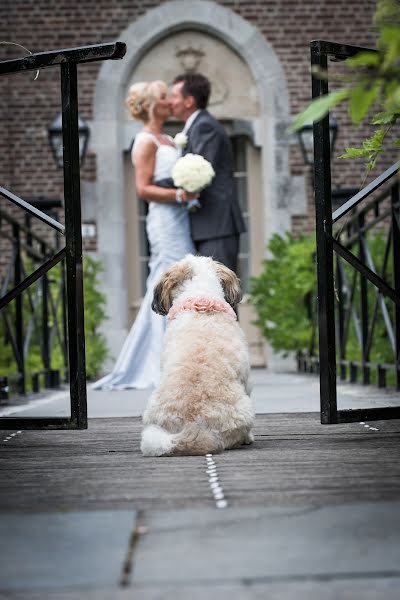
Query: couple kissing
[(212, 230)]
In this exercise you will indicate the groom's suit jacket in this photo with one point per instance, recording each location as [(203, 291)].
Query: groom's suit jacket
[(220, 214)]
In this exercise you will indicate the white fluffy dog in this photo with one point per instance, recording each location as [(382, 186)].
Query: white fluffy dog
[(202, 403)]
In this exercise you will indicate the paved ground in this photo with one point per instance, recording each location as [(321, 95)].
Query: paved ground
[(271, 393), (312, 511)]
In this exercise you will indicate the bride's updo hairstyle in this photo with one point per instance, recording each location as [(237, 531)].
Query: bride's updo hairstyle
[(143, 96)]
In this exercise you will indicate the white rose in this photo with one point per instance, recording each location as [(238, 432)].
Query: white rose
[(181, 139)]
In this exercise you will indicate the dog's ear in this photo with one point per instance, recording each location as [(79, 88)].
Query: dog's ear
[(163, 291), (230, 284)]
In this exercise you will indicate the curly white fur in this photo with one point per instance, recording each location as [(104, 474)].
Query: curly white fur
[(202, 403)]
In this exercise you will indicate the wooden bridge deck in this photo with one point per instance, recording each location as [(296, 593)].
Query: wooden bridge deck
[(294, 460), (296, 464)]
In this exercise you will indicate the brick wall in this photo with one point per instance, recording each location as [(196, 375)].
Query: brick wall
[(28, 106)]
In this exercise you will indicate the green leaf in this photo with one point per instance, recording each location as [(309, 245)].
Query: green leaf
[(392, 96), (318, 109), (364, 59), (385, 118), (387, 11), (354, 153), (374, 143), (390, 43), (360, 102)]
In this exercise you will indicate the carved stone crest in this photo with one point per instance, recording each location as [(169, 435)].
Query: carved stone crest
[(190, 57)]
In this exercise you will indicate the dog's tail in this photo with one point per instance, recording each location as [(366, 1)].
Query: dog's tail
[(193, 440)]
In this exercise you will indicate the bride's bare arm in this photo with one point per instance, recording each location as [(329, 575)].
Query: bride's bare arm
[(144, 159)]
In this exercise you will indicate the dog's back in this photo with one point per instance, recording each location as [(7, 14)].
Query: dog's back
[(201, 404), (204, 385)]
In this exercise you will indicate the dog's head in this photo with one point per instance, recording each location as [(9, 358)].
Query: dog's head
[(195, 275)]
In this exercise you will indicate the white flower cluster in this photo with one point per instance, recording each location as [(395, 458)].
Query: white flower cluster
[(192, 172), (181, 139)]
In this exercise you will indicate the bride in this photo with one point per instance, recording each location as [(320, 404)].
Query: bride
[(153, 155)]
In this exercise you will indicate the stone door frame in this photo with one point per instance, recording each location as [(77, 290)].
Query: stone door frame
[(112, 135)]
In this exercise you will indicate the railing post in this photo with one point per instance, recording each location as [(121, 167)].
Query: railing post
[(395, 198), (363, 304), (45, 326), (3, 390), (323, 215), (381, 376), (35, 383), (353, 372), (64, 329), (19, 316), (341, 318), (73, 243)]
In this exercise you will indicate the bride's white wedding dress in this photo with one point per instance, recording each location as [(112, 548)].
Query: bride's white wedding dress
[(167, 225)]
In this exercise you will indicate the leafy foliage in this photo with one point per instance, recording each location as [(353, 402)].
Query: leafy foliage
[(280, 292), (284, 296), (372, 83), (95, 315), (94, 301)]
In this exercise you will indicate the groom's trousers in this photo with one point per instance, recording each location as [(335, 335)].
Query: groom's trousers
[(224, 249)]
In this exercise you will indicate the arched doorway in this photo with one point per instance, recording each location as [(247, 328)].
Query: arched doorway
[(250, 98), (234, 101)]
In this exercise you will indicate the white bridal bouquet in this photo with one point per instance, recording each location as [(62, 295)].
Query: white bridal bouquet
[(192, 172)]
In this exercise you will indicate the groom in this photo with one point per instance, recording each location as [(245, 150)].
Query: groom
[(217, 225)]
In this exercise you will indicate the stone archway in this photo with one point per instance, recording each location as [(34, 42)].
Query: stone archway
[(112, 133)]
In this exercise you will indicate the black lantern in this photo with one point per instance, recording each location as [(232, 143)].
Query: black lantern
[(56, 139), (306, 140)]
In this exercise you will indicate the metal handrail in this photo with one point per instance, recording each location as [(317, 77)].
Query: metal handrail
[(67, 60), (337, 51), (328, 244), (32, 210), (365, 192), (82, 54)]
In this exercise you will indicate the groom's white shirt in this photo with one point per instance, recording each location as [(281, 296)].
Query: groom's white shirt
[(190, 120)]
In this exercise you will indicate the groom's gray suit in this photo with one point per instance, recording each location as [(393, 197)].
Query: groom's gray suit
[(216, 226)]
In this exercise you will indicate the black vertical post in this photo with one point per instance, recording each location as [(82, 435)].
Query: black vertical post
[(341, 318), (19, 313), (363, 304), (45, 326), (395, 198), (63, 293), (3, 390), (73, 243), (323, 215)]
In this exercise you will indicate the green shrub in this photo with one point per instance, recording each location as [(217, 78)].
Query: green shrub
[(284, 296), (95, 344), (95, 315), (280, 293)]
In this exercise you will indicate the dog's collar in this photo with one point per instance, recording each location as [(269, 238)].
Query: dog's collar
[(201, 305)]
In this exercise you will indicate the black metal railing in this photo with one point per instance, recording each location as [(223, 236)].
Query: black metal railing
[(67, 60), (342, 244), (35, 323)]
